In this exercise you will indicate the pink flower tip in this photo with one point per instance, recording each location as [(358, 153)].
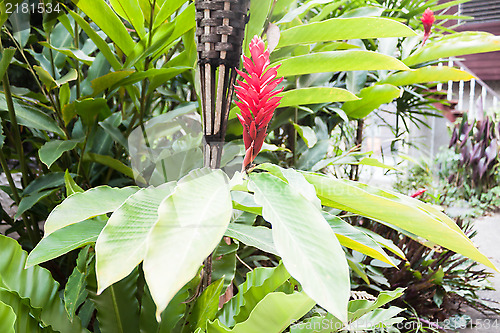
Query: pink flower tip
[(427, 20), (256, 93), (418, 193)]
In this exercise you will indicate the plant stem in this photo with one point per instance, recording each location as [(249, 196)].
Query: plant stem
[(15, 194), (77, 63)]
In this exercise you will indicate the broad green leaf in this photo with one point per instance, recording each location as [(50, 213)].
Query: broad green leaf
[(259, 283), (315, 95), (131, 11), (307, 134), (82, 206), (205, 308), (457, 44), (427, 74), (246, 202), (379, 318), (386, 243), (391, 208), (34, 284), (342, 29), (258, 237), (355, 239), (32, 117), (65, 240), (371, 98), (191, 222), (300, 233), (301, 10), (273, 314), (117, 307), (5, 59), (46, 181), (91, 109), (110, 162), (51, 83), (122, 244), (224, 263), (106, 81), (360, 307), (335, 61), (29, 201), (102, 15), (98, 41), (7, 318), (109, 125), (72, 53), (52, 150)]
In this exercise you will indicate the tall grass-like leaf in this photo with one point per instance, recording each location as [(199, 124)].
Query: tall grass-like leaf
[(395, 209), (333, 61), (191, 222), (82, 206), (306, 243), (122, 244), (131, 11), (273, 314), (342, 29), (35, 286)]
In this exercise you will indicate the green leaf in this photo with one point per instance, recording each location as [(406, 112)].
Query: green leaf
[(307, 134), (205, 308), (106, 81), (65, 240), (82, 206), (7, 318), (166, 10), (257, 15), (224, 263), (35, 285), (191, 222), (75, 292), (102, 15), (52, 150), (334, 61), (71, 186), (117, 307), (131, 11), (72, 53), (5, 59), (110, 162), (342, 29), (427, 74), (49, 180), (122, 244), (98, 41), (32, 117), (300, 233), (457, 44), (360, 307), (273, 314), (91, 109), (395, 209), (49, 82), (29, 201), (386, 243), (259, 283), (355, 239), (371, 98), (315, 95), (258, 237)]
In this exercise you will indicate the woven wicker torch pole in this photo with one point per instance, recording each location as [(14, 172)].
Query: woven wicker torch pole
[(220, 32)]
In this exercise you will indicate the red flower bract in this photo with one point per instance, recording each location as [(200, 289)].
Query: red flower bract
[(257, 100), (427, 20)]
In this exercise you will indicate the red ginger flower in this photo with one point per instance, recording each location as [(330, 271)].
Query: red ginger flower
[(257, 98), (427, 20)]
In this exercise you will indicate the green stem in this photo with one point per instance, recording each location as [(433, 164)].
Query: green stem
[(77, 63), (15, 194)]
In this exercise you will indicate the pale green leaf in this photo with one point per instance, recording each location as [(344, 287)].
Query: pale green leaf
[(258, 237), (427, 74), (315, 95), (52, 150), (300, 233), (7, 318), (342, 29), (371, 98), (335, 61), (191, 222), (82, 206)]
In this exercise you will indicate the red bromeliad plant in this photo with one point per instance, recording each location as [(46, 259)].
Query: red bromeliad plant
[(257, 97), (427, 20)]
